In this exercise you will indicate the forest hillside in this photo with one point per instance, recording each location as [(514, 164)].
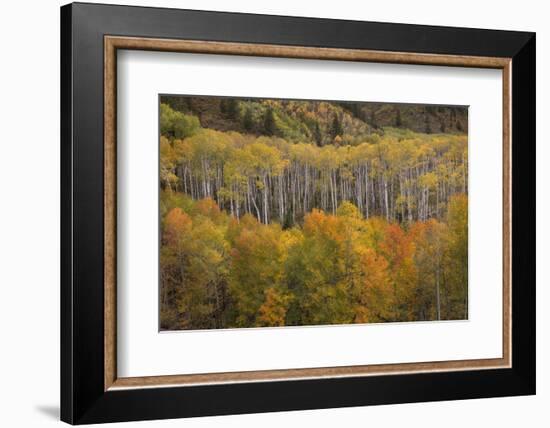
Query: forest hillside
[(282, 212), (311, 120)]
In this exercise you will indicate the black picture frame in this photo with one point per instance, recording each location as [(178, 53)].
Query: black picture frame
[(83, 399)]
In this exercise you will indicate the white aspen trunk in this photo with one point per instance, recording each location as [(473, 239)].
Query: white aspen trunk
[(437, 274), (184, 179), (281, 199), (265, 198), (437, 202), (386, 199), (253, 198), (392, 200), (336, 200), (401, 196), (409, 208), (203, 178), (367, 190), (237, 202), (358, 193), (306, 189), (332, 192), (438, 299), (293, 200)]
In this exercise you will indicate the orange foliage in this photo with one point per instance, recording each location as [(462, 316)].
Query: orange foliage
[(177, 224)]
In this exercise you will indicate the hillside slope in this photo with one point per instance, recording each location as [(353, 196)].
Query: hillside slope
[(321, 122)]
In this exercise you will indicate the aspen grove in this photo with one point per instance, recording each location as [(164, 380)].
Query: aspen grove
[(279, 213)]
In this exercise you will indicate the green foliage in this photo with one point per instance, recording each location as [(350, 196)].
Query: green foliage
[(336, 127), (398, 121), (270, 128), (317, 136), (231, 108), (248, 121), (373, 121), (427, 126), (295, 120), (176, 124)]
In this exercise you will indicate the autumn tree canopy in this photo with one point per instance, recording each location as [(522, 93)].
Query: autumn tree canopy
[(262, 230)]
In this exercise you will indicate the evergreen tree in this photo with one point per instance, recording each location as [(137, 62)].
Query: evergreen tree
[(248, 120), (232, 108), (354, 109), (398, 122), (336, 127), (269, 122), (427, 127), (317, 136), (288, 220), (373, 122)]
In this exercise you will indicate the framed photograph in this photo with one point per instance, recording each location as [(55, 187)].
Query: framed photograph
[(266, 213)]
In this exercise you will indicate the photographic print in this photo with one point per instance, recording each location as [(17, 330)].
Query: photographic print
[(281, 212)]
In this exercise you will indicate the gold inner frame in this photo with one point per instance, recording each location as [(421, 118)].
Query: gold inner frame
[(113, 43)]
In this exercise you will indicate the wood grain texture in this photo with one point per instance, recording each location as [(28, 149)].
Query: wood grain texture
[(264, 50), (296, 374), (109, 196), (112, 43)]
